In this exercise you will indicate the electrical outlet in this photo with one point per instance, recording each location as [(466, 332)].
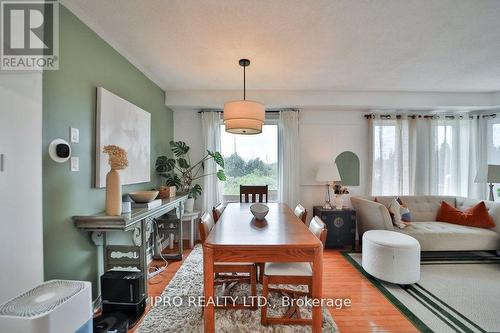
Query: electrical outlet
[(74, 135), (75, 163)]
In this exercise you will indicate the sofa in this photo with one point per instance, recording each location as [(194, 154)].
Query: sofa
[(432, 235)]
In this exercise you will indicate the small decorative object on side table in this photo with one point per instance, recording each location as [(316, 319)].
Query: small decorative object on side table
[(341, 225)]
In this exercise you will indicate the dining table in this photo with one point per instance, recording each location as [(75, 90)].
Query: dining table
[(280, 237)]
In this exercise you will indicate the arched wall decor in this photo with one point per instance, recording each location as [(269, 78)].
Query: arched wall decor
[(348, 165)]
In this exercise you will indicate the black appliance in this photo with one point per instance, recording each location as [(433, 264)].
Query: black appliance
[(122, 287), (112, 322), (123, 291), (131, 310)]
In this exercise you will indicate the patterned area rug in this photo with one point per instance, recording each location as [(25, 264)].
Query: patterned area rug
[(178, 309), (457, 292)]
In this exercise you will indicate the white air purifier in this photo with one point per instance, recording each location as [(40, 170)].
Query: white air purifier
[(56, 306)]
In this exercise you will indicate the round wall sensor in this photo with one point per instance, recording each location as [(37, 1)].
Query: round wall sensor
[(59, 150)]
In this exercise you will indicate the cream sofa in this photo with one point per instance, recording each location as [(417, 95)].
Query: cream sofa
[(432, 235)]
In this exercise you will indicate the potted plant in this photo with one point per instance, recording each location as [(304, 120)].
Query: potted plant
[(178, 171)]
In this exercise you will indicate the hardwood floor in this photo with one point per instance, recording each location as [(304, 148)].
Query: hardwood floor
[(370, 310)]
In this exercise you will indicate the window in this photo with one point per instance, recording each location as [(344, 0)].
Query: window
[(420, 156), (250, 160), (493, 148), (444, 164), (390, 155), (385, 159)]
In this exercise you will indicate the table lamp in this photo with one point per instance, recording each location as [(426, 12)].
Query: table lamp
[(328, 173), (489, 174)]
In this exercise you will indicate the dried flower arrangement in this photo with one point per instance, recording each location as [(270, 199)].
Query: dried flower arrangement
[(117, 157), (339, 189)]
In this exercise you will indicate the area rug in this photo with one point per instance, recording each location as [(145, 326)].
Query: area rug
[(178, 309), (457, 292)]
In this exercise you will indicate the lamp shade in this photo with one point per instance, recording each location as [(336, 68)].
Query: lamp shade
[(244, 117), (488, 174), (328, 173)]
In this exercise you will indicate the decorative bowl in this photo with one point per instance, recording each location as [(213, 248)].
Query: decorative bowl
[(259, 211), (143, 196)]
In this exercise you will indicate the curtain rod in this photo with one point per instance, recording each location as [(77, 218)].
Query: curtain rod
[(433, 116), (267, 111)]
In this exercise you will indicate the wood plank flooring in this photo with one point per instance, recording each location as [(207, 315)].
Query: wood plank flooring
[(370, 310)]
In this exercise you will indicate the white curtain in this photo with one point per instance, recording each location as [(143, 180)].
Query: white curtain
[(426, 155), (212, 187), (450, 159), (390, 154), (289, 157), (419, 156), (479, 151)]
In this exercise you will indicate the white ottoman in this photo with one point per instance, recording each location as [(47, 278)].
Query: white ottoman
[(391, 256)]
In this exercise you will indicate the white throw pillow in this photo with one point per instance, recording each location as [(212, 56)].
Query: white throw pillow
[(395, 210)]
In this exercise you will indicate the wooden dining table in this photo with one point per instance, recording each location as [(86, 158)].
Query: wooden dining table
[(281, 237)]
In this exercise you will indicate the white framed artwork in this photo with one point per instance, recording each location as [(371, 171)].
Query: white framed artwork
[(124, 124)]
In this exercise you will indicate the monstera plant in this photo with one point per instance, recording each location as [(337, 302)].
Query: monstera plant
[(178, 170)]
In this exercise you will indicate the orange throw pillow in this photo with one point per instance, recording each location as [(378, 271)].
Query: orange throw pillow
[(476, 216)]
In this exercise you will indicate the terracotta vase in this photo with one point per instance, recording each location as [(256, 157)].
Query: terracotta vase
[(113, 193)]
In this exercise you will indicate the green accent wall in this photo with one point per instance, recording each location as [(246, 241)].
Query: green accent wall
[(348, 166), (69, 100)]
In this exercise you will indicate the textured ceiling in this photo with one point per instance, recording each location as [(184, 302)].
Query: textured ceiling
[(410, 45)]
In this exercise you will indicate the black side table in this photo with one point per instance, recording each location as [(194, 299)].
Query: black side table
[(341, 225)]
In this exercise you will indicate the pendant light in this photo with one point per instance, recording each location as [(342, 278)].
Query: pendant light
[(242, 116)]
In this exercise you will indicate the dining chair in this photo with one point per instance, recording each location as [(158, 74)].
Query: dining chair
[(254, 193), (217, 211), (226, 273), (301, 213), (296, 273)]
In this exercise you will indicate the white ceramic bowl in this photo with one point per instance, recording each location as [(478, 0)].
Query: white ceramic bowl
[(259, 211), (143, 196)]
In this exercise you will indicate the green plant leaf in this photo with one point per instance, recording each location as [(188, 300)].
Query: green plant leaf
[(221, 175), (179, 148), (183, 163), (164, 164), (217, 157), (195, 191), (171, 179)]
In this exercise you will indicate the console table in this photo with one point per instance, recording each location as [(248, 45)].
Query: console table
[(140, 222)]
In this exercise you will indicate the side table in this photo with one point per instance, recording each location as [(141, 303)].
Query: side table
[(341, 225), (192, 217)]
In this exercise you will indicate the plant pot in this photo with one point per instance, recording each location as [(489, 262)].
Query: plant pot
[(189, 205), (167, 192), (113, 193), (338, 201)]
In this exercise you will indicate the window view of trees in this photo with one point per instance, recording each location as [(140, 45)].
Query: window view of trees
[(250, 160), (254, 172)]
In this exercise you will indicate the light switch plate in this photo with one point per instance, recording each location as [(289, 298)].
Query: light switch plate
[(74, 135), (75, 163)]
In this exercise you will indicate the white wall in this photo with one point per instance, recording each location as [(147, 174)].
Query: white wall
[(323, 135), (21, 239)]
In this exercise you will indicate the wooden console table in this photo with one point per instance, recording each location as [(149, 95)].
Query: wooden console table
[(137, 221)]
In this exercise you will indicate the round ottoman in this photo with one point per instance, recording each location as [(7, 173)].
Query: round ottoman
[(391, 256)]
